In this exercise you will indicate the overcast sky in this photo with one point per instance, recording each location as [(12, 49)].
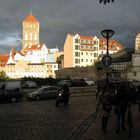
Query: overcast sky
[(60, 17)]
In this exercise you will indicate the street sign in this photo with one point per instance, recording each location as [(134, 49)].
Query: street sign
[(107, 60)]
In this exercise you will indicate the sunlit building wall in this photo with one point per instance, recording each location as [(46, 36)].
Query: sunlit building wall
[(23, 69), (30, 31), (137, 44), (81, 51)]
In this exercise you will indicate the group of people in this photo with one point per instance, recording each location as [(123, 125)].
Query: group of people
[(117, 102)]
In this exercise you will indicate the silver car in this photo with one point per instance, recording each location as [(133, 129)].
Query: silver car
[(45, 92)]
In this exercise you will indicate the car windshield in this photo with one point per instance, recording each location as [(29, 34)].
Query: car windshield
[(41, 89)]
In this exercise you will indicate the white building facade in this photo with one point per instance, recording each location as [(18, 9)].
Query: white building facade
[(82, 51), (35, 61), (137, 43)]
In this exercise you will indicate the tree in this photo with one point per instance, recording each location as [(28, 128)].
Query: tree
[(106, 1), (3, 76)]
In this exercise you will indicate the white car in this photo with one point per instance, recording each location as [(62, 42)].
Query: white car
[(89, 82)]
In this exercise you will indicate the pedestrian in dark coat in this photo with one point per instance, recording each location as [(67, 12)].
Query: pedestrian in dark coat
[(106, 107), (138, 92), (120, 107)]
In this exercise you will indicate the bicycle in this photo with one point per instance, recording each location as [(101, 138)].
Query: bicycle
[(129, 119)]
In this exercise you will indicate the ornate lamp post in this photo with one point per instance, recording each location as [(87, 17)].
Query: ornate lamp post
[(108, 33)]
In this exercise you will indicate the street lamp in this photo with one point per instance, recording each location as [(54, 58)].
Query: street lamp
[(108, 33)]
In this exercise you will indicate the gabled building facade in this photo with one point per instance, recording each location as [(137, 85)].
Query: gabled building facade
[(34, 59), (82, 51)]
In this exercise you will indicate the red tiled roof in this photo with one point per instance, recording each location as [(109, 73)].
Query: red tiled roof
[(86, 37), (112, 43), (33, 47), (31, 17), (3, 60)]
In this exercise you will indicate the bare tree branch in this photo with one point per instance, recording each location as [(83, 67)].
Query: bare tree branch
[(106, 1)]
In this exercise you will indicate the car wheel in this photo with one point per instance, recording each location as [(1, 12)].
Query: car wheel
[(13, 99), (37, 98)]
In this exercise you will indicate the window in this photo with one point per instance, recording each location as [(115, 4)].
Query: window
[(77, 61), (76, 40), (30, 25), (95, 48), (35, 37), (95, 54), (76, 47), (81, 53), (26, 36), (53, 88), (77, 53), (30, 36), (95, 42)]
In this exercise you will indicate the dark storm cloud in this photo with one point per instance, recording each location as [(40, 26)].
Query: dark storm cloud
[(60, 17)]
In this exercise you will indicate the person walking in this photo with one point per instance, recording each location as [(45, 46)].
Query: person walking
[(138, 92), (120, 107), (106, 107)]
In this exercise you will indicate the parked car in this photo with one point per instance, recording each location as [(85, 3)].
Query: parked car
[(62, 82), (30, 84), (78, 82), (44, 92), (10, 91), (89, 82)]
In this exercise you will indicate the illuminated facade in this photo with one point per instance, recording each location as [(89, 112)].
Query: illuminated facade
[(81, 51), (137, 44), (34, 59), (30, 31)]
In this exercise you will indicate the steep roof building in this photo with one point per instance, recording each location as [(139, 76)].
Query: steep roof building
[(81, 51)]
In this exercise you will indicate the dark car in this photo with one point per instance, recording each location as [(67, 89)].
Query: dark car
[(45, 92), (78, 82), (62, 82)]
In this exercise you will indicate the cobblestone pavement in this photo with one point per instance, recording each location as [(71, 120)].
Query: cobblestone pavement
[(41, 120), (95, 132)]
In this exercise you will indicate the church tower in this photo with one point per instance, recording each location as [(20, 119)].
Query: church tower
[(137, 44), (30, 31)]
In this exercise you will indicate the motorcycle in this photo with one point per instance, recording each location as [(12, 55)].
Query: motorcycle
[(62, 98)]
